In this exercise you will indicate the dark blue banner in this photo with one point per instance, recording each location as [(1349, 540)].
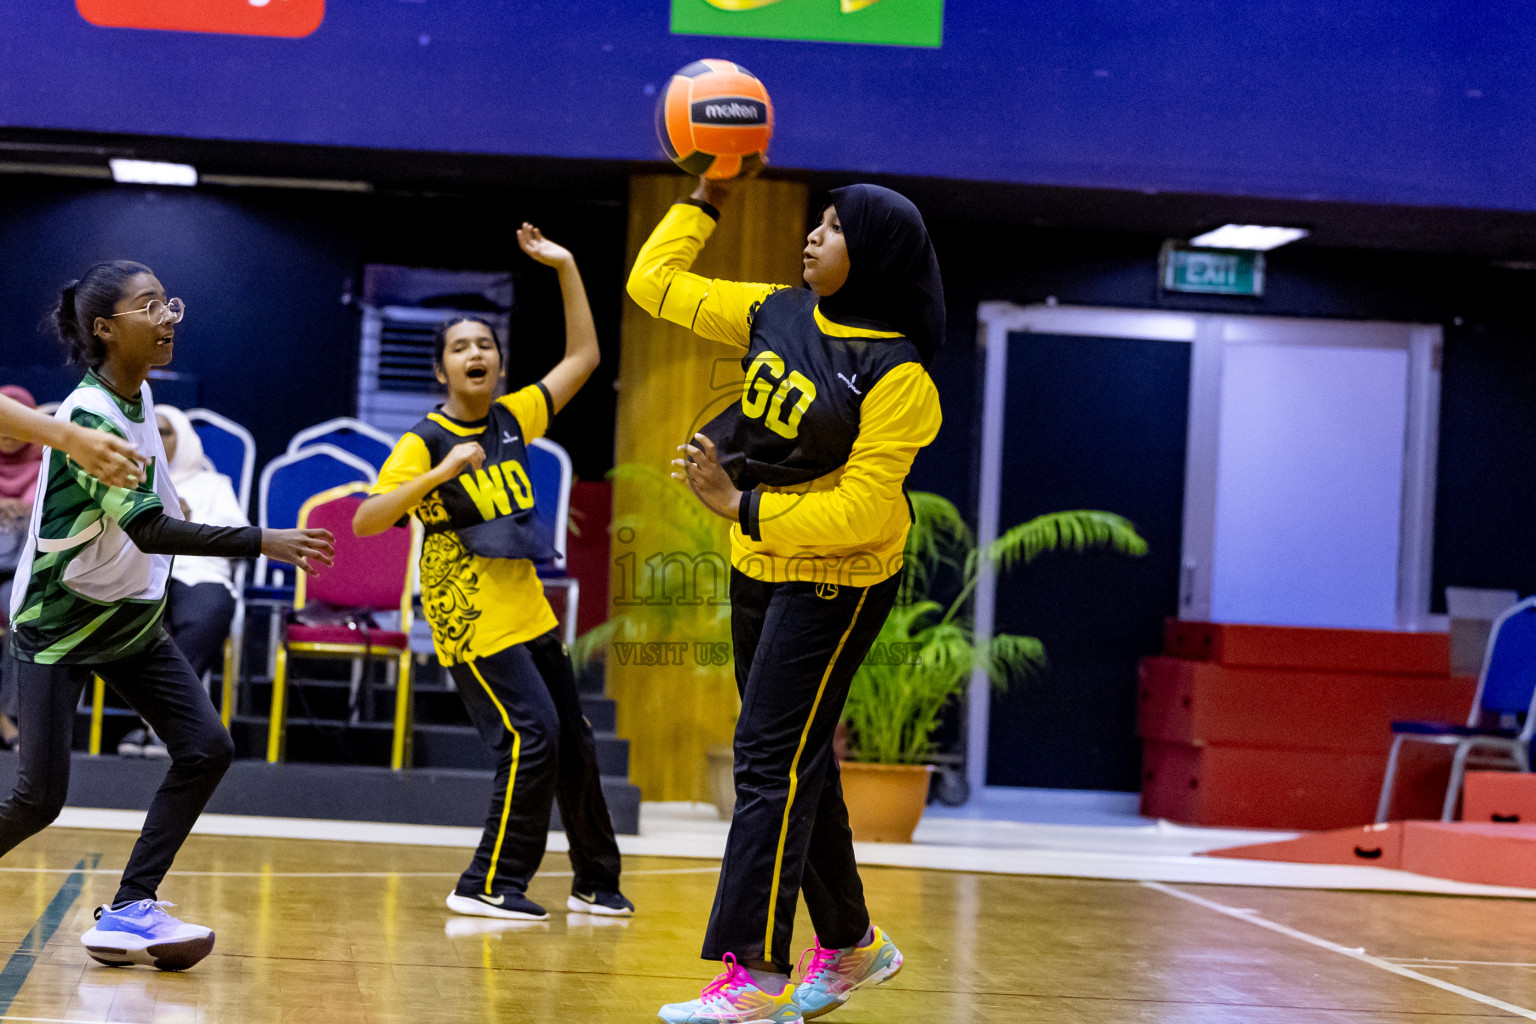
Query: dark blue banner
[(1416, 102)]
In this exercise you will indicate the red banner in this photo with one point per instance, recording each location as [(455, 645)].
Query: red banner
[(287, 18)]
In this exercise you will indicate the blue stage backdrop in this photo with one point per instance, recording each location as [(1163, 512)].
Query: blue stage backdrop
[(1415, 102)]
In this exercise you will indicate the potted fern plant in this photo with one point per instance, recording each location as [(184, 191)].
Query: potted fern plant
[(927, 650)]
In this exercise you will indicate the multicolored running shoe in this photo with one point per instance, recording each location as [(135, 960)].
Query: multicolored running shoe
[(143, 933), (733, 998), (835, 974)]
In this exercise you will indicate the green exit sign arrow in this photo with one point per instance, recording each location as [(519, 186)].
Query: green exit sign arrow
[(1186, 268)]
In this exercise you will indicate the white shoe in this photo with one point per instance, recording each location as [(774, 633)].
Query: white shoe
[(154, 746), (513, 906), (132, 745)]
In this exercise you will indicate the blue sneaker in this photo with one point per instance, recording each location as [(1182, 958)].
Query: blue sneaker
[(143, 933), (835, 974)]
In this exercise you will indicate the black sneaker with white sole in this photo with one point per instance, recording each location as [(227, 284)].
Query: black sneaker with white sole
[(511, 905), (132, 745), (600, 902)]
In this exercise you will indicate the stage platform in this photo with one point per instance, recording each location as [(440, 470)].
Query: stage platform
[(252, 788)]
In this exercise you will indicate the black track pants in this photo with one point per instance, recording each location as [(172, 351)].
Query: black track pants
[(524, 702), (797, 646)]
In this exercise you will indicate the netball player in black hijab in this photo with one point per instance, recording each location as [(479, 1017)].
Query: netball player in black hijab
[(810, 467)]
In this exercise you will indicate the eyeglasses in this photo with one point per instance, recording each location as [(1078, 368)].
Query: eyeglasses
[(169, 312)]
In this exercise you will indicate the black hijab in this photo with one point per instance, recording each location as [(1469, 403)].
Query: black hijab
[(893, 277)]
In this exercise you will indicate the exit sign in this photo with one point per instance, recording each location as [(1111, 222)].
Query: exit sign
[(1211, 271)]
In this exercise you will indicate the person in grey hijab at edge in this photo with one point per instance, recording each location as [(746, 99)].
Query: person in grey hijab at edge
[(810, 467)]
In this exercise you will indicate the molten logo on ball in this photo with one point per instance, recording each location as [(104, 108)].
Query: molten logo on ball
[(285, 18), (740, 111)]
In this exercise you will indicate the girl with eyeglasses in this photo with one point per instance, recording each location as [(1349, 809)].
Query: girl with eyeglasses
[(90, 598)]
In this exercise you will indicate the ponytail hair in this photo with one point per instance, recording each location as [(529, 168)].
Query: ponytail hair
[(95, 294)]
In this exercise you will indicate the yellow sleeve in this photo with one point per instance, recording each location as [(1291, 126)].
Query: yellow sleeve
[(532, 407), (661, 285), (899, 416), (409, 460)]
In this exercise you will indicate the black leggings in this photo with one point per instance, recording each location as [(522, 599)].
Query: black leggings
[(162, 688), (797, 647)]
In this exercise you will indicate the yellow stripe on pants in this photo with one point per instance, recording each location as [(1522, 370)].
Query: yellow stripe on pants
[(794, 778), (506, 805)]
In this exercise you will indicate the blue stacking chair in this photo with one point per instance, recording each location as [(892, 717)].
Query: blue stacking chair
[(549, 470), (367, 442), (231, 449), (1499, 729)]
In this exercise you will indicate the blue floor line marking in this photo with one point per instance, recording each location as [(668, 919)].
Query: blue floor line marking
[(19, 966)]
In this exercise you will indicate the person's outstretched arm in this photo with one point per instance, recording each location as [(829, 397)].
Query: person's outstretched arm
[(661, 284), (104, 456), (140, 512), (155, 533), (581, 354)]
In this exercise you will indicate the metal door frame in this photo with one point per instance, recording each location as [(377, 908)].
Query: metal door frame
[(1208, 334)]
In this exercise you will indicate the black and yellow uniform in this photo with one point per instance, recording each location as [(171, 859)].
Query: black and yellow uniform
[(832, 412), (494, 630)]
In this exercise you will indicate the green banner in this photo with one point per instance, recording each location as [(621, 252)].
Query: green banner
[(883, 22)]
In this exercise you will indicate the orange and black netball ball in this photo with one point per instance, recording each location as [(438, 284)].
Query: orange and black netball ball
[(715, 118)]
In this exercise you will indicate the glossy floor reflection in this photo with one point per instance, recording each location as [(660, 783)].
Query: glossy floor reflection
[(340, 933)]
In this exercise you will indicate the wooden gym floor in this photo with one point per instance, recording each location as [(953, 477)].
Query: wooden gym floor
[(343, 933)]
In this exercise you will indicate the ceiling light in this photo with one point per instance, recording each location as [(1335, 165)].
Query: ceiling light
[(1248, 236), (153, 172)]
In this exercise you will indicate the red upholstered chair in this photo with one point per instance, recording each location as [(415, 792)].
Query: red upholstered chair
[(371, 574)]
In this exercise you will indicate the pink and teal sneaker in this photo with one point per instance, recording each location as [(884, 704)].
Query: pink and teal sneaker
[(835, 974), (733, 998)]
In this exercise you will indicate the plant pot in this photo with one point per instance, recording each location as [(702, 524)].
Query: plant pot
[(722, 780), (885, 801)]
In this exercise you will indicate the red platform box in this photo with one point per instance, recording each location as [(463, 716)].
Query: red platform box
[(1201, 703), (1325, 650), (1246, 787), (1506, 798), (1471, 852), (1464, 851), (1378, 846)]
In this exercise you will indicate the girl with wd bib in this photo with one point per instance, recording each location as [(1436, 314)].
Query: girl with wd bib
[(463, 472)]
